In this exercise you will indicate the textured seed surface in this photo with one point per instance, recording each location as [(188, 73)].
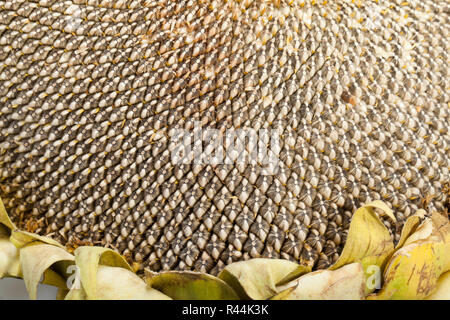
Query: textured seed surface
[(91, 91)]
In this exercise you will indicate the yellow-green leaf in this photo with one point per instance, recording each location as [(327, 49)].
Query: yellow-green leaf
[(4, 218), (36, 260), (76, 294), (413, 270), (345, 283), (115, 283), (88, 260), (191, 286), (9, 258), (258, 278), (368, 240), (442, 291), (410, 226), (22, 238), (61, 294)]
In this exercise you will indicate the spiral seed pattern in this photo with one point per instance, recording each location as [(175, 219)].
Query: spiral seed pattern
[(91, 91)]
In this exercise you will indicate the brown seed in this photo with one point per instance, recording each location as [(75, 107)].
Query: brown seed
[(348, 98)]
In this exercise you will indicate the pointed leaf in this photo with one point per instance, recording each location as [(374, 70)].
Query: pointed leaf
[(116, 283), (368, 241), (257, 278), (22, 238), (345, 283), (88, 260), (4, 218), (410, 226), (36, 261), (442, 291), (9, 258), (76, 294), (413, 270), (61, 294), (191, 286)]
